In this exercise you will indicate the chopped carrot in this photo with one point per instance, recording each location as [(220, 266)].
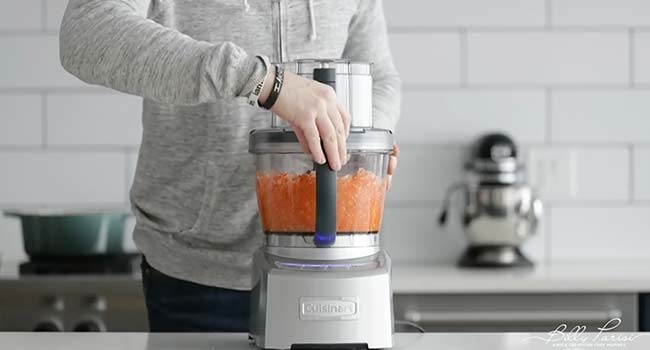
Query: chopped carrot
[(287, 202)]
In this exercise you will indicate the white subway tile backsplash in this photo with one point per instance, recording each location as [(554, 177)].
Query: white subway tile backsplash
[(17, 15), (547, 57), (642, 173), (33, 61), (642, 57), (94, 119), (590, 179), (131, 165), (506, 55), (601, 116), (55, 11), (11, 239), (427, 57), (600, 12), (53, 178), (411, 234), (20, 120), (458, 116), (463, 13), (600, 233), (425, 172)]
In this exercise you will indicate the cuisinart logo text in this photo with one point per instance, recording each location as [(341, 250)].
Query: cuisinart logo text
[(329, 308)]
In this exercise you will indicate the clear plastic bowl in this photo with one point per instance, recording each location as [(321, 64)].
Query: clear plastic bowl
[(286, 193)]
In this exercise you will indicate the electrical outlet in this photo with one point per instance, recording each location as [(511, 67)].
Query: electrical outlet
[(552, 172)]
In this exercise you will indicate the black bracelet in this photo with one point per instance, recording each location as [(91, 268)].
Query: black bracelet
[(278, 81)]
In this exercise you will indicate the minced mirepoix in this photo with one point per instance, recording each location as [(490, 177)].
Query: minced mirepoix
[(287, 202)]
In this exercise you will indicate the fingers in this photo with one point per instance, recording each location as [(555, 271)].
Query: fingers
[(392, 160), (341, 135), (329, 140), (346, 117), (392, 164), (320, 122), (312, 138), (302, 140)]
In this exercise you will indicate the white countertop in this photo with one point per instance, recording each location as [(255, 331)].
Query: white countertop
[(238, 341), (563, 277)]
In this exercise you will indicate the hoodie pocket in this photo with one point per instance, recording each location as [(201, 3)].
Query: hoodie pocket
[(196, 233), (227, 214)]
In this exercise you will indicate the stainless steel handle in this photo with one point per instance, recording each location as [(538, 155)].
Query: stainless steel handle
[(446, 203), (523, 316), (536, 213)]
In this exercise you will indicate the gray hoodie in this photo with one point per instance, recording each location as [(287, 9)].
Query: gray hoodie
[(195, 63)]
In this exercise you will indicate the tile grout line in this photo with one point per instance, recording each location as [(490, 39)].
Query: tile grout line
[(548, 115), (630, 52), (631, 175), (548, 8), (127, 172), (547, 234), (541, 28), (44, 125), (408, 87), (44, 14), (464, 57)]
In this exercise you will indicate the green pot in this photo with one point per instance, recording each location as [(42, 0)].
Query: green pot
[(53, 233)]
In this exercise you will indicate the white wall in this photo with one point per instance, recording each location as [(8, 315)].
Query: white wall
[(559, 75)]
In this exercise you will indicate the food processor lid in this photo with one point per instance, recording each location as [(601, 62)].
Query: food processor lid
[(342, 66), (277, 140)]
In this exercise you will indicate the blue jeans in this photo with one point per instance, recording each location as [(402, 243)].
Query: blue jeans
[(175, 305)]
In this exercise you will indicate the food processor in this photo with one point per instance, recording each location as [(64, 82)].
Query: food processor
[(321, 279)]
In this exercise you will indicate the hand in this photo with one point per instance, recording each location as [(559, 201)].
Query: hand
[(392, 164), (315, 115)]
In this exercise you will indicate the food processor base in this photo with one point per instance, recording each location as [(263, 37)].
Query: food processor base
[(308, 304), (493, 256)]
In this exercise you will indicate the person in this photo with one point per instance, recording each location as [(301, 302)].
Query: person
[(202, 68)]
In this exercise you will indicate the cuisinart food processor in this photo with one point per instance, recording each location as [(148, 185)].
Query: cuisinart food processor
[(321, 279)]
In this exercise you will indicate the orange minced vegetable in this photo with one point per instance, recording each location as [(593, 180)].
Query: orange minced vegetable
[(287, 202)]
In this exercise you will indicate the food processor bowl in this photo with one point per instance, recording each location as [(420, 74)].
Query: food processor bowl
[(286, 183)]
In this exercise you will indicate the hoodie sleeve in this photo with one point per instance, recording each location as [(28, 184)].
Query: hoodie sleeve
[(112, 43), (368, 42)]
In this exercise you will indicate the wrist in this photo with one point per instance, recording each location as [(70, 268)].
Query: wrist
[(258, 78), (268, 84), (274, 93)]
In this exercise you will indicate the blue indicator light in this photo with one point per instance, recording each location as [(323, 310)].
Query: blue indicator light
[(323, 240), (308, 266)]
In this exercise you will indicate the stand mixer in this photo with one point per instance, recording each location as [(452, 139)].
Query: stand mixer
[(321, 279)]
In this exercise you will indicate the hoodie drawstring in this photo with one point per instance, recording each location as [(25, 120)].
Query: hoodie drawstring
[(312, 21), (313, 35)]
